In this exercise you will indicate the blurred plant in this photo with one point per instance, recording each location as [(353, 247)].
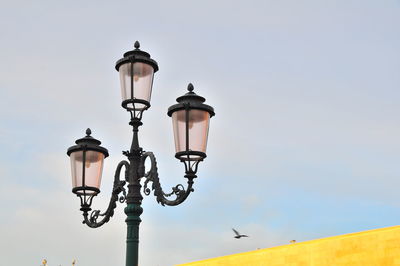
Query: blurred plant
[(44, 262)]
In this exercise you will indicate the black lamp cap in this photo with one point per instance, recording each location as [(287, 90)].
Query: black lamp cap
[(137, 55), (192, 101), (191, 95), (88, 143), (88, 139)]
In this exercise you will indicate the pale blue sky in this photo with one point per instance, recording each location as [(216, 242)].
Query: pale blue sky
[(305, 141)]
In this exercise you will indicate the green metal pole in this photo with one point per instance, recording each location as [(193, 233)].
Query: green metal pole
[(133, 212)]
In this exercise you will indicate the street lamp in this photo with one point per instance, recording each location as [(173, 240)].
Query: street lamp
[(190, 120)]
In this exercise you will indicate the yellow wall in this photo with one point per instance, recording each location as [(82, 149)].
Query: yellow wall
[(379, 247)]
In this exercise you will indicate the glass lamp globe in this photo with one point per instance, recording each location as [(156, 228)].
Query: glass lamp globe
[(190, 122), (87, 158), (136, 71)]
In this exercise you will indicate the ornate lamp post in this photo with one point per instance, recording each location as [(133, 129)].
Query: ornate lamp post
[(190, 119)]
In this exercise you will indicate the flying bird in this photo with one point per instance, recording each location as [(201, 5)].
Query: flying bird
[(237, 235)]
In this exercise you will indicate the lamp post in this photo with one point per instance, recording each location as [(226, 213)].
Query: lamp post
[(190, 120)]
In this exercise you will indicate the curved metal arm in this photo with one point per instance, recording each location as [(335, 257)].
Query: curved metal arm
[(117, 189), (179, 190)]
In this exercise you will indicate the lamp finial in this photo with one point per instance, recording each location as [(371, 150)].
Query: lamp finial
[(190, 87), (137, 45), (88, 132)]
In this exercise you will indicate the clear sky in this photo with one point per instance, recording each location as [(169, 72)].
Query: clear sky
[(305, 142)]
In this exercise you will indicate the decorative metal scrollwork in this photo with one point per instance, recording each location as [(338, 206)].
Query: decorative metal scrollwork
[(118, 187), (161, 197), (92, 218)]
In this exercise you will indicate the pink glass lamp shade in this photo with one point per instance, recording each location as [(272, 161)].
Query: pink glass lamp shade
[(190, 122), (87, 158), (136, 70)]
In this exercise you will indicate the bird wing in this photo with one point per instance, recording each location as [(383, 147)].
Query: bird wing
[(236, 232)]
